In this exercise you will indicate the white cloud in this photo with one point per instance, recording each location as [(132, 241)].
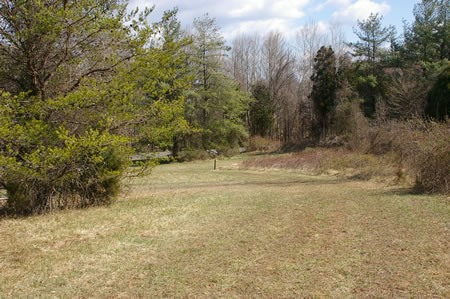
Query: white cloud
[(323, 27), (261, 27), (290, 9), (332, 3), (246, 8), (261, 16), (235, 16), (360, 10)]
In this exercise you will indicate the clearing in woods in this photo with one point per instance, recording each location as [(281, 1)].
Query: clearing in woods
[(190, 231)]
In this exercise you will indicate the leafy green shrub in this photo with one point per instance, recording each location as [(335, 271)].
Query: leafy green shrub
[(73, 108), (46, 167), (72, 151)]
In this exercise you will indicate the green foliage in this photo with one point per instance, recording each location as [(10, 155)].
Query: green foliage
[(225, 110), (261, 111), (438, 104), (45, 42), (325, 82), (215, 105), (370, 82), (159, 89), (369, 79), (427, 38), (45, 167), (83, 85), (371, 36)]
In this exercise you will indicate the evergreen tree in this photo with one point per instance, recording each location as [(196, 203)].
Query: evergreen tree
[(325, 82), (217, 105), (438, 102), (427, 38), (372, 35), (72, 98), (261, 111), (371, 81), (176, 78)]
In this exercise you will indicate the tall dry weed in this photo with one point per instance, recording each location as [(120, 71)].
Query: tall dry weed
[(419, 146), (263, 144)]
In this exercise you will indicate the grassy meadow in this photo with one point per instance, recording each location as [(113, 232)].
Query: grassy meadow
[(190, 231)]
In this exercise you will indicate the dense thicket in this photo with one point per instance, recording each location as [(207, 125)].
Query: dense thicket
[(72, 98)]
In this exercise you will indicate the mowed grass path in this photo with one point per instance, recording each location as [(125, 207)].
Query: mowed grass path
[(190, 231)]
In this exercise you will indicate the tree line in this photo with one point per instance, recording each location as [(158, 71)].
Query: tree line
[(299, 85), (86, 83)]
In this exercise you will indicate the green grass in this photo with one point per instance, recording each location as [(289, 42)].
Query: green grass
[(190, 231)]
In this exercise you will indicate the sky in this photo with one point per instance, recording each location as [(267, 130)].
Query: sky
[(286, 16)]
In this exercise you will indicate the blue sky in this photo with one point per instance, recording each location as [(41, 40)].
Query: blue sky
[(286, 16)]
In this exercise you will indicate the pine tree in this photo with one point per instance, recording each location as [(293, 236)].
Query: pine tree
[(261, 110), (427, 38), (372, 35), (371, 81), (217, 105), (325, 82), (438, 102)]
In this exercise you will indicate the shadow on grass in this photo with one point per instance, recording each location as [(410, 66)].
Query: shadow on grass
[(257, 154), (291, 147), (406, 191), (3, 210), (309, 182)]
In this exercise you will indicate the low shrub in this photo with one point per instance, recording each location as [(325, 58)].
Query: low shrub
[(81, 174), (424, 147), (263, 144), (194, 154), (420, 147)]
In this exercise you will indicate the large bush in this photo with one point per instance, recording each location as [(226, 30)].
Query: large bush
[(76, 95)]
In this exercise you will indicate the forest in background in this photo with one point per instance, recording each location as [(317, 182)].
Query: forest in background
[(86, 83)]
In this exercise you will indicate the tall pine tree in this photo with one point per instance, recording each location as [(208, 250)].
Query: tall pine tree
[(324, 80), (216, 104), (427, 38)]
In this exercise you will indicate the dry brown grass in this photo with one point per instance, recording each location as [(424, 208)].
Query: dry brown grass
[(262, 144), (189, 231), (340, 162)]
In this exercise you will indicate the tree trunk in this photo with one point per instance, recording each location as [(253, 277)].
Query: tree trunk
[(324, 129)]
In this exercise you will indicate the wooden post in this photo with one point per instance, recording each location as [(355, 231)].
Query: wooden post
[(215, 162)]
